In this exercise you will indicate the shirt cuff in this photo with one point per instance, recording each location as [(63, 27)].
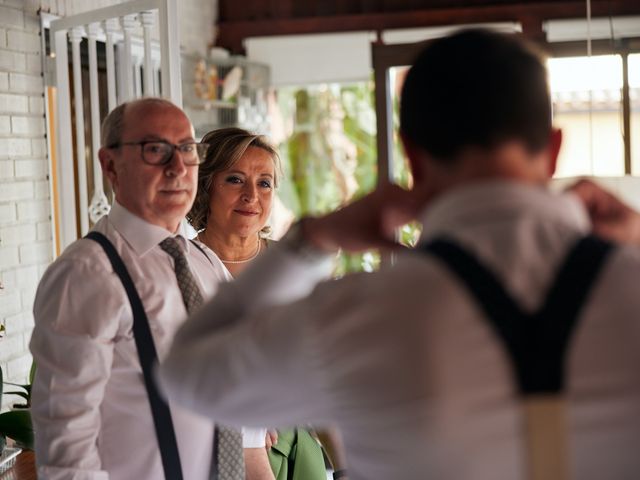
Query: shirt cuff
[(254, 437), (48, 472)]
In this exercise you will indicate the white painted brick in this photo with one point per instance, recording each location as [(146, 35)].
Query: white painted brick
[(39, 145), (8, 278), (11, 17), (4, 81), (10, 302), (22, 4), (16, 323), (44, 232), (33, 63), (28, 322), (36, 105), (42, 189), (33, 126), (14, 147), (23, 41), (5, 125), (3, 38), (21, 277), (9, 257), (36, 210), (35, 253), (19, 147), (12, 346), (16, 191), (31, 168), (18, 369), (28, 295), (7, 212), (13, 103), (6, 169), (27, 276), (12, 61), (20, 83), (17, 234), (32, 22)]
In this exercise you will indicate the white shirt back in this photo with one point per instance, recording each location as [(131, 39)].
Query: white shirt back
[(403, 360)]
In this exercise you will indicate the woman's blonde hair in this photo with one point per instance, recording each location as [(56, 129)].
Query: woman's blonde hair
[(226, 147)]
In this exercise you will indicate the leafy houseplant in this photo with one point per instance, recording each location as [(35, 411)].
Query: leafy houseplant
[(16, 424)]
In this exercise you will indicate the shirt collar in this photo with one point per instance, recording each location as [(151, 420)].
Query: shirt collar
[(496, 199), (141, 235)]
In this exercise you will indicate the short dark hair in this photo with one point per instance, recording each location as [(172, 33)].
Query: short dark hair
[(476, 88)]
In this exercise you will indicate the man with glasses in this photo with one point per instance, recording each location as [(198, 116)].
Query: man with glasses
[(91, 408)]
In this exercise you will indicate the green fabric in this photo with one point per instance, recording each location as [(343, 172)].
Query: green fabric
[(297, 456)]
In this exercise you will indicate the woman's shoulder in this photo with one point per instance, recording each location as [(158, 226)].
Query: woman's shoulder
[(212, 257)]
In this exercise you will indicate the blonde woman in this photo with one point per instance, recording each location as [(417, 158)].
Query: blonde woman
[(236, 184), (233, 203)]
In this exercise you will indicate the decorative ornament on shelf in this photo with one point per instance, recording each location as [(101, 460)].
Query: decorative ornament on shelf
[(226, 91), (231, 83)]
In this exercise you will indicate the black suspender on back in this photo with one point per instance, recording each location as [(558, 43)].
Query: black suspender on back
[(148, 357), (537, 342)]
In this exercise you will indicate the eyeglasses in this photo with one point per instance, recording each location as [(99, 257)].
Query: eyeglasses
[(159, 152)]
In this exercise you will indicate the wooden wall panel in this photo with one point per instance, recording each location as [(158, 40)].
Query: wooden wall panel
[(250, 18)]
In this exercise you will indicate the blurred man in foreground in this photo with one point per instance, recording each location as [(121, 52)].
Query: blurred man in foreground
[(504, 347)]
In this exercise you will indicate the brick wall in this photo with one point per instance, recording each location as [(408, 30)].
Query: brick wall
[(25, 207), (25, 225)]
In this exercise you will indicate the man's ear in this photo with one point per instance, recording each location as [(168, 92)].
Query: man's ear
[(555, 142), (414, 154), (107, 163)]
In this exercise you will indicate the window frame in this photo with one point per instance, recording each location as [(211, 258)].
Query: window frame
[(385, 56)]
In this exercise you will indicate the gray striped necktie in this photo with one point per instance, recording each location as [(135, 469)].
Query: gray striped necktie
[(230, 458)]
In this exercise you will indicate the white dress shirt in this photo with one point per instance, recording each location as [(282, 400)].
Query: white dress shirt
[(403, 360), (90, 410)]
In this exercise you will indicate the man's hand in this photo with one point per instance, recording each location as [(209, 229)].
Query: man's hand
[(611, 218), (366, 223)]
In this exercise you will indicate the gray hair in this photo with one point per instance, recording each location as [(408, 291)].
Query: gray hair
[(113, 124)]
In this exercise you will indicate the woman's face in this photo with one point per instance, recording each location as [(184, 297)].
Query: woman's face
[(241, 197)]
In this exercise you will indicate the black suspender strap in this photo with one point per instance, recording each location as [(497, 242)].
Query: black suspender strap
[(537, 343), (148, 357)]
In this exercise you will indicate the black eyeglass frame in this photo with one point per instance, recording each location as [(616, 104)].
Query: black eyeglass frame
[(201, 150)]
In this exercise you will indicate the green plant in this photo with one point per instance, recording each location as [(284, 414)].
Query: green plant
[(16, 424), (330, 156)]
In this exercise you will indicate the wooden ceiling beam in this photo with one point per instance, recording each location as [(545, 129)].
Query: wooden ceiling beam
[(231, 34)]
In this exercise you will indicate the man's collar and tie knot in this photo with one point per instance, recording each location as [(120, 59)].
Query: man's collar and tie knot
[(189, 289)]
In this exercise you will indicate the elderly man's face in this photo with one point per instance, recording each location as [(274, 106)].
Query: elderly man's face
[(160, 194)]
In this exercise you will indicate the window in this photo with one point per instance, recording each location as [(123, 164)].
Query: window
[(327, 143), (586, 95)]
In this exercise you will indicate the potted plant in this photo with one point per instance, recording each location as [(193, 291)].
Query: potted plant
[(16, 424)]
